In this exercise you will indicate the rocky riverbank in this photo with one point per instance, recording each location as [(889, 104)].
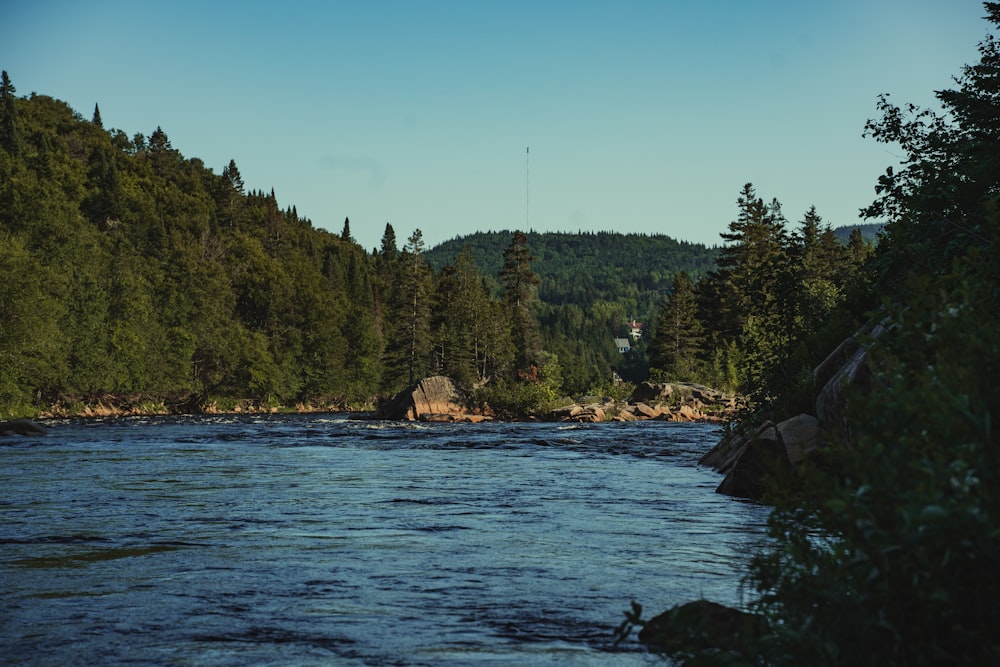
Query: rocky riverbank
[(439, 399)]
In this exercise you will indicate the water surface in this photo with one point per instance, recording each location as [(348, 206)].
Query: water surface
[(326, 540)]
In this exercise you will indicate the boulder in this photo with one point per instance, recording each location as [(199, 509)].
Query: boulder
[(643, 411), (763, 459), (591, 413), (800, 435), (724, 454), (649, 392), (566, 412), (702, 625), (700, 393), (688, 413), (22, 427), (436, 398), (843, 368)]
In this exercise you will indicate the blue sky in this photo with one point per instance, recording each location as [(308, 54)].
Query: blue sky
[(641, 116)]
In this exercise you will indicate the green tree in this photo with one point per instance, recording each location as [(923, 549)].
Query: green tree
[(886, 552), (162, 155), (677, 340), (231, 197), (389, 248), (408, 339), (460, 331), (858, 250), (10, 135), (821, 268), (751, 288), (30, 338), (104, 204), (520, 283)]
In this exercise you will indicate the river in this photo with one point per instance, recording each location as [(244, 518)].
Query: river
[(329, 540)]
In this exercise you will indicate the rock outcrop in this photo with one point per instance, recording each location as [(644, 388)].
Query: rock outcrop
[(22, 427), (701, 625), (436, 399), (747, 456), (677, 402), (845, 367)]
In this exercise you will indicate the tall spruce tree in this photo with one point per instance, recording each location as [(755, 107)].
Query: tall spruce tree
[(752, 288), (10, 134), (520, 284), (676, 344), (408, 325), (389, 250), (462, 305)]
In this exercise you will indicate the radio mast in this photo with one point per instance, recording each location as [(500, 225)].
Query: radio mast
[(527, 189)]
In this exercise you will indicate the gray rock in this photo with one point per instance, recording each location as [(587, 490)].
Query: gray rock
[(22, 427)]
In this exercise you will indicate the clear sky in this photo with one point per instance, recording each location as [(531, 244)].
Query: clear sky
[(640, 116)]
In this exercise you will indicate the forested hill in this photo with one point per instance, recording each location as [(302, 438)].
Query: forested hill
[(587, 267), (869, 232), (132, 274)]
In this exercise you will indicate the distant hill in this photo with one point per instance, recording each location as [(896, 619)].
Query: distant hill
[(591, 286), (868, 232), (581, 268)]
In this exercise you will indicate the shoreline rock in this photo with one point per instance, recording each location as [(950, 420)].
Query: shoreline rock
[(675, 402), (24, 427), (433, 399)]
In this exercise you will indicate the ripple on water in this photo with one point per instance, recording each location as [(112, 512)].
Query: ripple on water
[(320, 539)]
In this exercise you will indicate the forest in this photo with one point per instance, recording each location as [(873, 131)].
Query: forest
[(138, 278), (884, 544), (129, 271)]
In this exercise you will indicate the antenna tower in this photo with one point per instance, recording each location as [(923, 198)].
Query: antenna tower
[(527, 189)]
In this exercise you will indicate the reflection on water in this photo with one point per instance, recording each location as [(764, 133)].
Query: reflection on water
[(327, 540)]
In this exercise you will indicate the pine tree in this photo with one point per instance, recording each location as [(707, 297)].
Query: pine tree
[(408, 339), (105, 203), (463, 305), (520, 284), (10, 139), (231, 194), (821, 270), (753, 285), (749, 265), (345, 233), (677, 340), (97, 117), (161, 153), (389, 249), (857, 249)]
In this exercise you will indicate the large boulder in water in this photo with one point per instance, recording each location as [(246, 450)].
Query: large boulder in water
[(800, 436), (22, 427), (749, 458), (703, 625), (763, 460), (436, 398)]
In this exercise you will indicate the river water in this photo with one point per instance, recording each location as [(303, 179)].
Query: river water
[(327, 540)]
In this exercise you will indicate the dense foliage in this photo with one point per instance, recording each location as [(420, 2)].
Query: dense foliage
[(747, 325), (133, 276), (138, 277), (885, 546), (590, 285)]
